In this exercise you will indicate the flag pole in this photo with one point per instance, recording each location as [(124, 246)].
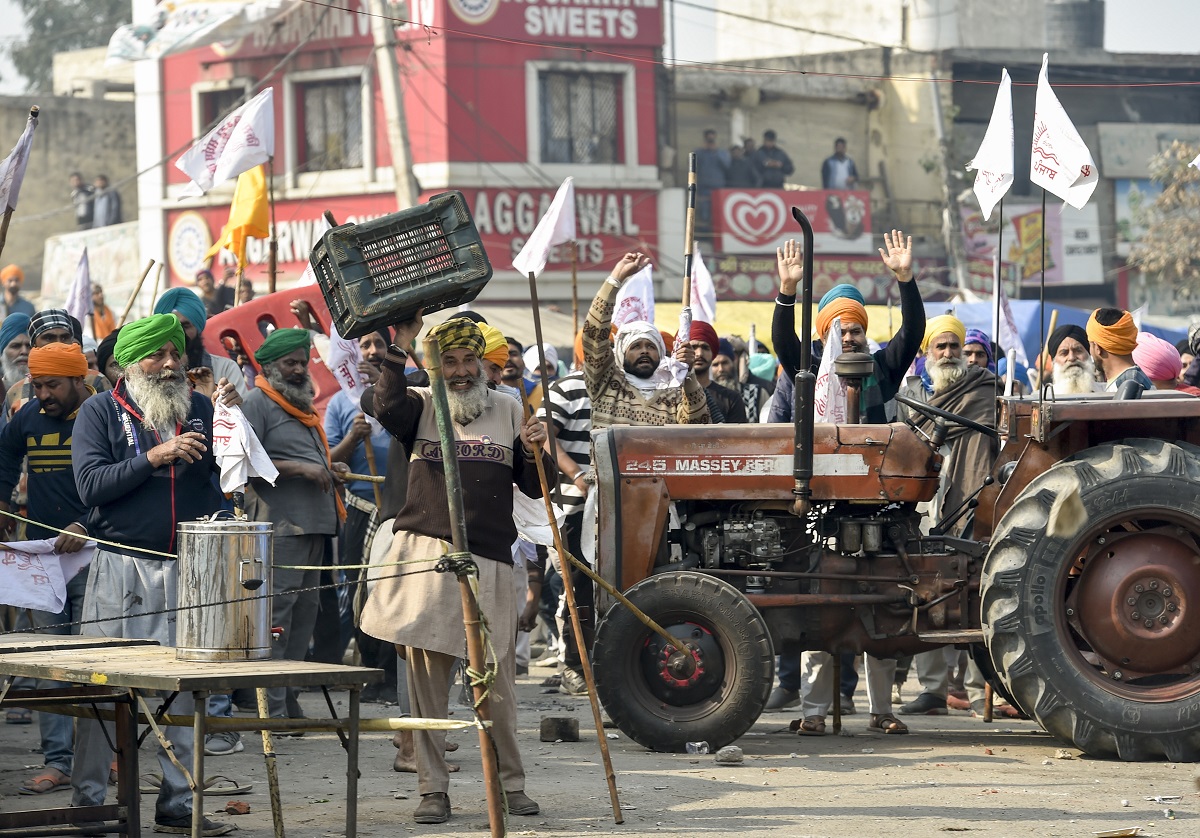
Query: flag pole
[(574, 288), (537, 333), (1042, 314), (157, 279), (997, 288), (8, 211), (133, 296), (689, 239), (273, 262)]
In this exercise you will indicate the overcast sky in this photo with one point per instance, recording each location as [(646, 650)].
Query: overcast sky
[(1131, 26)]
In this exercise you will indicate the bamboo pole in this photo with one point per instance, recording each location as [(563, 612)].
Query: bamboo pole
[(272, 766), (157, 280), (375, 480), (574, 288), (564, 570), (471, 619), (689, 243), (273, 259), (133, 297)]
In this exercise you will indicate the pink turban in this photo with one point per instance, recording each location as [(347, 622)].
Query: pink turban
[(1157, 358)]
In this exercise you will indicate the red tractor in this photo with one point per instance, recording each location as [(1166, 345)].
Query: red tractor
[(1078, 592)]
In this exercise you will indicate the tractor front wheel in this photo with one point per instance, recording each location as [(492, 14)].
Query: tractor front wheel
[(659, 697), (1092, 614)]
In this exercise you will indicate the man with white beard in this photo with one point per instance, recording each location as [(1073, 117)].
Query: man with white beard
[(422, 613), (14, 349), (303, 507), (967, 390), (143, 462), (1074, 370)]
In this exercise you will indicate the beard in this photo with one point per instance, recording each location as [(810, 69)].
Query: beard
[(640, 369), (165, 398), (1074, 377), (299, 396), (731, 380), (13, 371), (195, 353), (467, 405), (946, 373)]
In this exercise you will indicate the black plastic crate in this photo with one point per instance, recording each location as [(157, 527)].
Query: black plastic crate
[(380, 272)]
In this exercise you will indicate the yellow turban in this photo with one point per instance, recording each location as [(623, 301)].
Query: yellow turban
[(1120, 338), (848, 310), (941, 324), (495, 345)]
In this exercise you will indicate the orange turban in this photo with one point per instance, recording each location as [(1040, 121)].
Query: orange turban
[(9, 271), (63, 360), (848, 310), (1120, 338)]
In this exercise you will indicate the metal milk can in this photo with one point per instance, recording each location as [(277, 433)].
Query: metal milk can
[(224, 590)]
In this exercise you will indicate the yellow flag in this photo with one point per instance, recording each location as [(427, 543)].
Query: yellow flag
[(249, 215)]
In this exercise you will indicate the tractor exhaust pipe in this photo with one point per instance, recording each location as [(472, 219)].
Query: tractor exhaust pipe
[(804, 409)]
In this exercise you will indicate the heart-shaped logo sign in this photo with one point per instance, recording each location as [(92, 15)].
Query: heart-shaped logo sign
[(755, 219)]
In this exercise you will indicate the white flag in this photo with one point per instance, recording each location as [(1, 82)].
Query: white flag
[(704, 293), (1009, 338), (342, 358), (1196, 162), (1060, 163), (79, 295), (556, 227), (243, 140), (635, 300), (829, 395), (993, 162), (12, 169)]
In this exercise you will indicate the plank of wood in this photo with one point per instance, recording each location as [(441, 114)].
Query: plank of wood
[(31, 642), (156, 668)]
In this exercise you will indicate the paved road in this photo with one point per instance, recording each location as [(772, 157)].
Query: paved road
[(941, 779)]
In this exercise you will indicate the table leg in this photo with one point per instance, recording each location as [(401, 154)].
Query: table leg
[(199, 715), (127, 763), (352, 765)]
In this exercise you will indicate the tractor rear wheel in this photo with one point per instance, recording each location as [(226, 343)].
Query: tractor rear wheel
[(1095, 629), (658, 697)]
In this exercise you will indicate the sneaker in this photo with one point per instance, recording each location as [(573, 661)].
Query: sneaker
[(572, 683), (926, 704), (183, 826), (782, 699), (848, 708), (222, 743), (896, 699)]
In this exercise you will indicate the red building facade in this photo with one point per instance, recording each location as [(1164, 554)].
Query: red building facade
[(503, 99)]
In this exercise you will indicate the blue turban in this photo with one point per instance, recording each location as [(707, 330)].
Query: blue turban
[(184, 301), (1020, 371), (13, 326), (838, 291)]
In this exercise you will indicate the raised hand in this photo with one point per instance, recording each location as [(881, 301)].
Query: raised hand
[(790, 261), (630, 264), (897, 254)]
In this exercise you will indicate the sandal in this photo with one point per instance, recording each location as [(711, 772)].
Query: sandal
[(18, 716), (49, 780), (217, 783), (809, 726), (886, 723)]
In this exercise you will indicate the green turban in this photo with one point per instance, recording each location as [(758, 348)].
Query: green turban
[(142, 338), (282, 342)]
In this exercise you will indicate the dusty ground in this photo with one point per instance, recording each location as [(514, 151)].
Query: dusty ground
[(939, 779)]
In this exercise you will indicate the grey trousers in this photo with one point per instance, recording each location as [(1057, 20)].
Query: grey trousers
[(428, 675), (295, 612), (127, 588)]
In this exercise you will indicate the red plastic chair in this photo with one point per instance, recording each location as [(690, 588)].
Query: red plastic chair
[(246, 323)]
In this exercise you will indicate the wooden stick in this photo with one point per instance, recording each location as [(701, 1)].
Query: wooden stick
[(545, 385), (133, 296), (988, 701), (366, 478), (476, 655), (564, 570), (689, 231), (375, 478), (157, 279), (272, 767), (574, 288), (273, 259)]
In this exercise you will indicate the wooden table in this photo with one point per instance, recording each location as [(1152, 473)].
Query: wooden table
[(123, 671)]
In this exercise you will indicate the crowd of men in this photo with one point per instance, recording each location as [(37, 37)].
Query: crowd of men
[(113, 441)]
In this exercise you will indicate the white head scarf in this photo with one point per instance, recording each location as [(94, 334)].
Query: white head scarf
[(670, 373), (533, 361)]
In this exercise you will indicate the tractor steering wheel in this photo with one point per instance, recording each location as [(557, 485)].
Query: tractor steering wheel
[(936, 412)]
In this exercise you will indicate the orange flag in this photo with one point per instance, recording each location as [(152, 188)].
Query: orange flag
[(249, 215)]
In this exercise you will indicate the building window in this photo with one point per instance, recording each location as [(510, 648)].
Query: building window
[(331, 114), (216, 104), (580, 117)]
